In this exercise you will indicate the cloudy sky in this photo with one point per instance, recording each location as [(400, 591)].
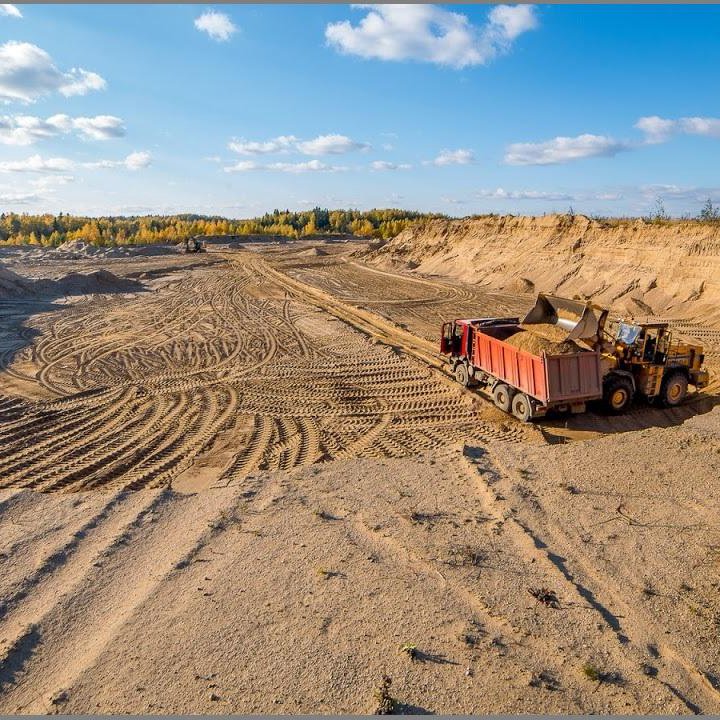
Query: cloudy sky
[(238, 109)]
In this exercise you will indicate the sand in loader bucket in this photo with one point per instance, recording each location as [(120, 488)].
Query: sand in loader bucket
[(543, 337)]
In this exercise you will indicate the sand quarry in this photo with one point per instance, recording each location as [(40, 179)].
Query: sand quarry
[(240, 482)]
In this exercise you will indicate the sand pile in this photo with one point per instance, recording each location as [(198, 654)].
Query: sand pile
[(312, 252), (76, 246), (77, 249), (12, 284), (16, 286), (550, 339), (98, 282)]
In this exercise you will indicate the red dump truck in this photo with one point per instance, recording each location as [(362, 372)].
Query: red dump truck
[(524, 384), (634, 360)]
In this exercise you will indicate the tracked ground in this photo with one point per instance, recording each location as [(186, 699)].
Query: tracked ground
[(221, 372)]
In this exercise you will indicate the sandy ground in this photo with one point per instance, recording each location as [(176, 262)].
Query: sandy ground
[(259, 489)]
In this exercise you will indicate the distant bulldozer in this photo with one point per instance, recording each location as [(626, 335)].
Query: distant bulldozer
[(194, 245)]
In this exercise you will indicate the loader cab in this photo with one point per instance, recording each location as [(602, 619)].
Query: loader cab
[(645, 344)]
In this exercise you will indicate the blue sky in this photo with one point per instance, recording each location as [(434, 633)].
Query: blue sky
[(237, 109)]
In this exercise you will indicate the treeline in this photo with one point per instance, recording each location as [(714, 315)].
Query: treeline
[(53, 230)]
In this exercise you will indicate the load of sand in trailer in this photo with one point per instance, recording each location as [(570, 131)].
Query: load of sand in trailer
[(539, 338)]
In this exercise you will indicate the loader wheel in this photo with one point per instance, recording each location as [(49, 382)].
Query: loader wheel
[(461, 375), (617, 395), (673, 389), (521, 407), (502, 397)]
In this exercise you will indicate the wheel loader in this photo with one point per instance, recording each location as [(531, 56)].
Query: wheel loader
[(616, 361), (636, 359)]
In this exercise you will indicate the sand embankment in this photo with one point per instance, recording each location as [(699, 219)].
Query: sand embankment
[(634, 266)]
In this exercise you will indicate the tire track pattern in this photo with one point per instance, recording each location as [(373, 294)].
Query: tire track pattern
[(144, 384)]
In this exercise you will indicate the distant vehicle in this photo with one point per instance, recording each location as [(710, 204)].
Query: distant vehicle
[(636, 359), (194, 245)]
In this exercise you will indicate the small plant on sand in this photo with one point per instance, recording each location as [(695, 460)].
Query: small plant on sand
[(410, 650), (327, 574), (224, 520), (592, 673), (467, 555), (386, 704), (545, 596)]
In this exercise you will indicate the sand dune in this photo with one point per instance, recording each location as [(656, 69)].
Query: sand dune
[(634, 266)]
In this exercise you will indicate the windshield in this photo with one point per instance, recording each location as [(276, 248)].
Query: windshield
[(628, 334)]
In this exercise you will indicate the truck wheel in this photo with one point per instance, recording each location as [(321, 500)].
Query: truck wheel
[(617, 395), (461, 375), (673, 389), (522, 408), (502, 397)]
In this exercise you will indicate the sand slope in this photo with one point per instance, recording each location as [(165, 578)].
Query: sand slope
[(635, 266)]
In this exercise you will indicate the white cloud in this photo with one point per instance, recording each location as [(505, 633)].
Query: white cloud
[(385, 165), (27, 129), (500, 194), (659, 130), (303, 167), (511, 21), (137, 160), (429, 33), (294, 168), (27, 73), (330, 145), (100, 127), (701, 126), (10, 10), (321, 145), (134, 161), (36, 163), (19, 198), (656, 129), (47, 182), (453, 157), (678, 192), (243, 166), (216, 24), (275, 145), (563, 149), (551, 196), (80, 82)]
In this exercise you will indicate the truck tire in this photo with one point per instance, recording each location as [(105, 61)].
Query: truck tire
[(674, 388), (522, 408), (617, 395), (462, 375), (502, 396)]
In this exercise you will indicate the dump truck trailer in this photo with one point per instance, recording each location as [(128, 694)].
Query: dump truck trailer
[(634, 359), (520, 382)]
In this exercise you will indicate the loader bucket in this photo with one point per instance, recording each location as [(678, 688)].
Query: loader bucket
[(582, 320)]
